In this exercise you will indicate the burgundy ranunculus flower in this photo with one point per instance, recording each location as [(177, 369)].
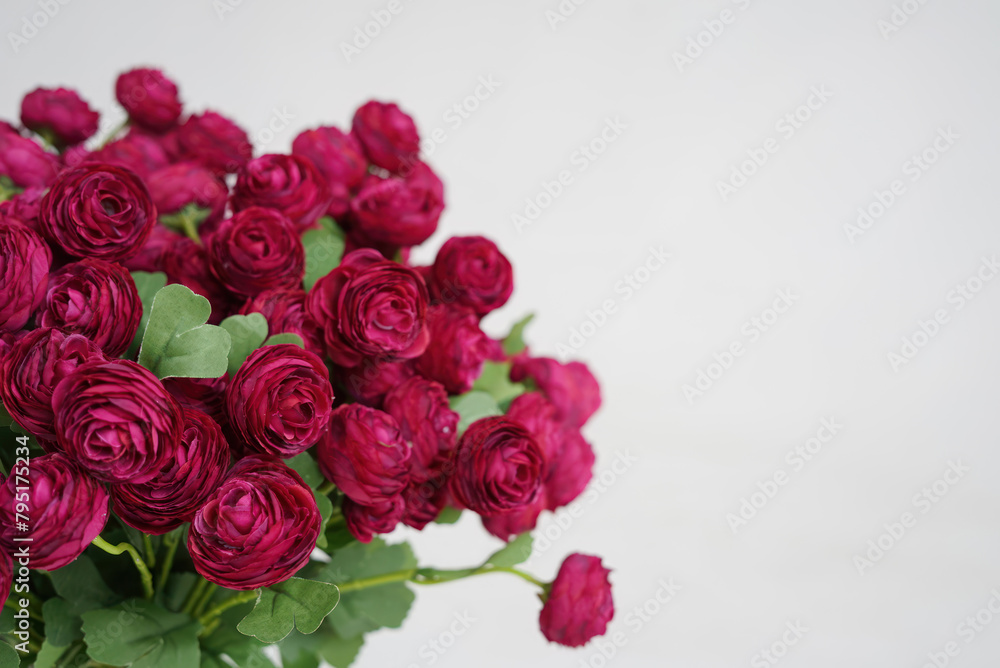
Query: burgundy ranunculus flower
[(188, 183), (427, 423), (571, 387), (290, 184), (578, 606), (26, 163), (24, 273), (365, 521), (207, 395), (509, 525), (150, 256), (389, 136), (570, 470), (149, 97), (32, 368), (25, 207), (364, 454), (257, 529), (117, 421), (457, 348), (188, 263), (399, 211), (6, 575), (60, 113), (498, 467), (369, 382), (339, 158), (257, 249), (285, 311), (279, 402), (98, 211), (135, 151), (97, 299), (472, 272), (370, 307), (67, 509), (424, 501), (185, 482), (215, 141)]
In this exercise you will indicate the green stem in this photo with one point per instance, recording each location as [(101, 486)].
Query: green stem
[(172, 540), (147, 544), (199, 607), (385, 578), (239, 599), (190, 228), (10, 603), (197, 591), (438, 577), (70, 653), (144, 574), (326, 488)]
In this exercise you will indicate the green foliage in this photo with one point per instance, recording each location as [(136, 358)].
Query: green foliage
[(285, 337), (495, 381), (515, 552), (513, 343), (296, 603), (141, 634), (324, 247), (473, 406), (147, 284), (177, 340), (247, 333)]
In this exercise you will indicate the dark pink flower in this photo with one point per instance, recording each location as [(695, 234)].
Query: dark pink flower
[(24, 273), (339, 158), (215, 141), (471, 272), (366, 521), (257, 249), (389, 136), (135, 151), (399, 211), (571, 387), (26, 163), (578, 604), (149, 97), (60, 113), (290, 184), (457, 348)]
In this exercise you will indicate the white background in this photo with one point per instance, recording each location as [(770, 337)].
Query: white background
[(665, 516)]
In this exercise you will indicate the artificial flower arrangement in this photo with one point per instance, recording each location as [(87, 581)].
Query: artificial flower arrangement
[(223, 378)]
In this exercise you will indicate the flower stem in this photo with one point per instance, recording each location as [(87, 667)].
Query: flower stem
[(326, 488), (239, 599), (147, 544), (194, 596), (199, 607), (171, 540), (421, 577), (374, 581), (144, 574), (190, 228)]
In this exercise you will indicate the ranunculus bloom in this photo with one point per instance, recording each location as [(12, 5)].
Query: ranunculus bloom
[(339, 158), (364, 454), (117, 421), (290, 184), (61, 112), (25, 207), (6, 575), (370, 307), (472, 272), (24, 273), (207, 395), (399, 211), (571, 387), (97, 299), (215, 141), (185, 482), (150, 256), (285, 311), (257, 529), (99, 211), (257, 249), (570, 470), (427, 423), (365, 521), (389, 136), (188, 263), (369, 382), (280, 400), (135, 151), (24, 162), (457, 348), (498, 467), (33, 367), (185, 183), (578, 606), (509, 525), (67, 509), (149, 97)]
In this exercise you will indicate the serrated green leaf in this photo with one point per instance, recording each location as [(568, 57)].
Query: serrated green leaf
[(449, 515), (515, 552), (295, 603), (473, 406), (341, 652), (495, 381), (145, 636), (247, 333), (147, 284), (513, 343), (244, 650), (178, 341), (9, 657), (324, 247), (285, 337)]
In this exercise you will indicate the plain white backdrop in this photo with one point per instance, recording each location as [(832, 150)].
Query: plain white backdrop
[(692, 92)]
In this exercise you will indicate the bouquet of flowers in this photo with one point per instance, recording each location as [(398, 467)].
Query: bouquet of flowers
[(222, 378)]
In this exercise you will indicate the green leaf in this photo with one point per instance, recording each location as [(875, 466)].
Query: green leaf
[(495, 381), (81, 583), (473, 406), (295, 603), (325, 506), (178, 342), (141, 634), (225, 639), (324, 249), (50, 652), (62, 621), (285, 337), (147, 284), (307, 468), (364, 610), (9, 657), (7, 621), (515, 552), (179, 585), (302, 651), (449, 515), (247, 333), (341, 652), (189, 218), (513, 343)]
